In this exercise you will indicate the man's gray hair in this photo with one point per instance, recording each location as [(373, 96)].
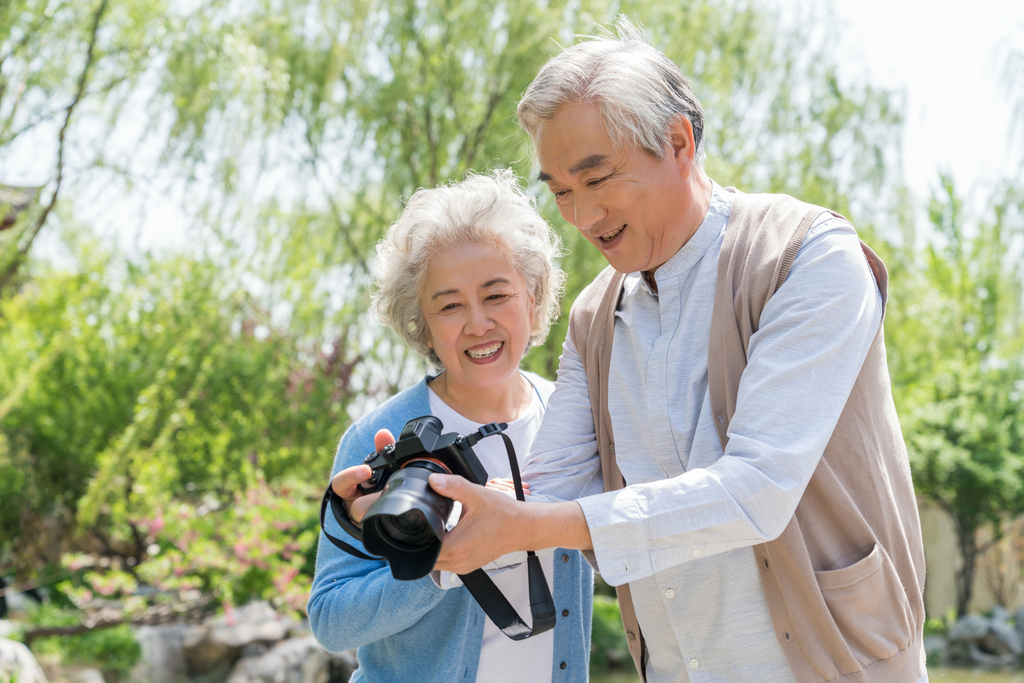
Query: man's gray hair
[(488, 209), (637, 90)]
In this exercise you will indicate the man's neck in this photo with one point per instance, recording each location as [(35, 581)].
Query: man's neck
[(693, 218)]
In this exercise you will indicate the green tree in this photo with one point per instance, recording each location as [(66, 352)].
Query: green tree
[(957, 370)]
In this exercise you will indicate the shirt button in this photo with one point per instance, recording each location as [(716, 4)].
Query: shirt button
[(631, 636), (696, 552), (694, 663), (565, 558), (562, 665), (453, 580), (669, 593), (721, 419), (565, 613)]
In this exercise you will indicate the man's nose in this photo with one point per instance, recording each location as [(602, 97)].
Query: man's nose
[(587, 212)]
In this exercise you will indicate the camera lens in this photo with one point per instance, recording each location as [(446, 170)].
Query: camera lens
[(410, 528), (406, 524)]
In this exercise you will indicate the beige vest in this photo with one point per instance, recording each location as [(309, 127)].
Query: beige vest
[(844, 581)]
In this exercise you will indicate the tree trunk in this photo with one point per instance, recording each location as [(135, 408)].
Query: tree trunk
[(966, 533)]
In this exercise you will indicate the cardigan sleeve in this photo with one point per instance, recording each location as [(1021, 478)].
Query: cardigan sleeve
[(353, 601)]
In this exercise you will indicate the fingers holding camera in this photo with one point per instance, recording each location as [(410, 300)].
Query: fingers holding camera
[(483, 532), (506, 485), (346, 486), (382, 439)]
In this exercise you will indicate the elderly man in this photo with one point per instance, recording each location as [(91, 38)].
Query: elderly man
[(722, 440)]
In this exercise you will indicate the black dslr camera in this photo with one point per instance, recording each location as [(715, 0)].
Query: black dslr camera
[(407, 523)]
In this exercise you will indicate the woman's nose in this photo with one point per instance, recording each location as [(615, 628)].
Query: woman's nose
[(479, 321)]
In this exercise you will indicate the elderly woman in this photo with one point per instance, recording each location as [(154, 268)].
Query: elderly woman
[(466, 277)]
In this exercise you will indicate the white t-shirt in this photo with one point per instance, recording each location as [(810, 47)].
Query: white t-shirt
[(501, 658)]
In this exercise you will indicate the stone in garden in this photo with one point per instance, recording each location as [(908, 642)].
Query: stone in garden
[(17, 663), (297, 660), (936, 649), (343, 665), (163, 654), (1002, 639), (220, 641), (969, 628)]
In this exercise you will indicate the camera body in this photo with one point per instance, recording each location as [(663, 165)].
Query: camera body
[(406, 525)]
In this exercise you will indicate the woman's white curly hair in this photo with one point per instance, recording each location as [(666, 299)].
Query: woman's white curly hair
[(488, 209)]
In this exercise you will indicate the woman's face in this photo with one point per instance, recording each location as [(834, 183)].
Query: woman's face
[(478, 311)]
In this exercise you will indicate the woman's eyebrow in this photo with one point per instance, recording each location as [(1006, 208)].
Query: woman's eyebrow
[(496, 281)]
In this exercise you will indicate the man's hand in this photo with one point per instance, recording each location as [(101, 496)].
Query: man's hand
[(492, 524), (486, 526), (346, 483)]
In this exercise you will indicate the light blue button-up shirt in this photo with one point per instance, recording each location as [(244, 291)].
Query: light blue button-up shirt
[(681, 533)]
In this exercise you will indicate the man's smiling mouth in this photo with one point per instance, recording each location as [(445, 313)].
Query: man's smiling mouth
[(609, 236)]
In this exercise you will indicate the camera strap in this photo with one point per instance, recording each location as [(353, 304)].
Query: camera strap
[(495, 605)]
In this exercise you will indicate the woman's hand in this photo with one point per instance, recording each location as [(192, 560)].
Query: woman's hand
[(506, 485), (346, 483)]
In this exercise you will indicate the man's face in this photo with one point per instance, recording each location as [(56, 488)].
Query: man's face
[(625, 201)]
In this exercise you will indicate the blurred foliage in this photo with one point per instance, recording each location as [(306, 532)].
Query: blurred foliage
[(957, 337), (608, 647), (114, 651)]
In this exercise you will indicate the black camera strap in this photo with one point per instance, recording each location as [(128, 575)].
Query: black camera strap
[(495, 605)]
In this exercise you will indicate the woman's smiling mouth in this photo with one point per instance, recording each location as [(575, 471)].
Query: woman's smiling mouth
[(485, 351)]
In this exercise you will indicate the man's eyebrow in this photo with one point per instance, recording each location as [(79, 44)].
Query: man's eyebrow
[(592, 161)]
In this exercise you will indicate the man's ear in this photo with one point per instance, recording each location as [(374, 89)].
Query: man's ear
[(682, 145)]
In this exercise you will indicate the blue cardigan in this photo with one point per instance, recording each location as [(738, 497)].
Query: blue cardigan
[(412, 631)]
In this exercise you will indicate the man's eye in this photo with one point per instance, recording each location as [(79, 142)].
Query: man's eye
[(560, 193), (596, 181), (497, 297)]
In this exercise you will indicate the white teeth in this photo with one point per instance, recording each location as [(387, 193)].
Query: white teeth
[(485, 352), (608, 237)]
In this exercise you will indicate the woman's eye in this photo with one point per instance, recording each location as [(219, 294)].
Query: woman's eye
[(449, 307)]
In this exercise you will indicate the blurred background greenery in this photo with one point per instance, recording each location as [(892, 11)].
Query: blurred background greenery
[(168, 416)]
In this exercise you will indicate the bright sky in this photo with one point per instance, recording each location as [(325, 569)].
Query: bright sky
[(949, 58)]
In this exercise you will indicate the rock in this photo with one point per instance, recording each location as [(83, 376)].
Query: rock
[(297, 660), (343, 665), (163, 654), (7, 628), (1002, 639), (936, 649), (17, 663), (220, 641), (969, 628)]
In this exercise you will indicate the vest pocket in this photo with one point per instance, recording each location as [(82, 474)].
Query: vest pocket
[(869, 606)]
